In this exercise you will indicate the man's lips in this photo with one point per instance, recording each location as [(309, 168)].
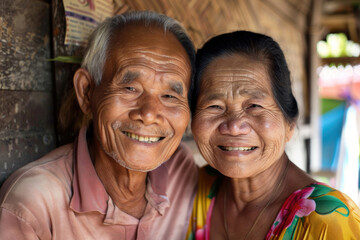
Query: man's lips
[(145, 139), (228, 148)]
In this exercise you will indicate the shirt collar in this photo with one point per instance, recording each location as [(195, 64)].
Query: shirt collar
[(89, 194), (156, 189)]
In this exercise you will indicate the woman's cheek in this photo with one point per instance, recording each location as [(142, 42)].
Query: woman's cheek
[(201, 128), (208, 153), (272, 131)]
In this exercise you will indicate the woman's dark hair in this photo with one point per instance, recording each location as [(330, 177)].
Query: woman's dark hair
[(257, 47)]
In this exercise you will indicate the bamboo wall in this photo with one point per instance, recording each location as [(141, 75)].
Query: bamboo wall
[(284, 20)]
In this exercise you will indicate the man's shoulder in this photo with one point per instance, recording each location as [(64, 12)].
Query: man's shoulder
[(182, 158), (39, 179)]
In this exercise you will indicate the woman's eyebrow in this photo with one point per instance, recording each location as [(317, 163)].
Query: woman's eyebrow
[(214, 96), (257, 94)]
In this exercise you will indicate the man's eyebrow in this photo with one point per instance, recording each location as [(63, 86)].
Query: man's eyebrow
[(177, 87), (129, 77)]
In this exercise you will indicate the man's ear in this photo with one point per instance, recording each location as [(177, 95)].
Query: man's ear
[(83, 85)]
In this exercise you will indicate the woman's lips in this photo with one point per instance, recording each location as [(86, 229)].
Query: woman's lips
[(229, 148)]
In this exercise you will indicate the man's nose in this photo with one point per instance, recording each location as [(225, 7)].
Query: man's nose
[(148, 110), (235, 126)]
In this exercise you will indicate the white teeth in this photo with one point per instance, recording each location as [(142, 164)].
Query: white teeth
[(133, 136), (238, 148), (142, 138)]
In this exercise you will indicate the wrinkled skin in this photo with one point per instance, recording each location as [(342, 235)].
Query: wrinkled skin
[(140, 109), (241, 132), (238, 126)]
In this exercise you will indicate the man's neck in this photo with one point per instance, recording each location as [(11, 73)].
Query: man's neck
[(125, 187)]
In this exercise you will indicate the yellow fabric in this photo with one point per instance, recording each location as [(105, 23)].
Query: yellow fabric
[(342, 222), (330, 226), (201, 202)]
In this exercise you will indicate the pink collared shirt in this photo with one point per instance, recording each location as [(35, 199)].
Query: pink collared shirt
[(61, 197)]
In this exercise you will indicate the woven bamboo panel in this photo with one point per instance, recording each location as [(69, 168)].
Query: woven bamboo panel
[(205, 18), (201, 18), (284, 20)]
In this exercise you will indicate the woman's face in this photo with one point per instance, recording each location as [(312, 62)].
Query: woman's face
[(237, 125)]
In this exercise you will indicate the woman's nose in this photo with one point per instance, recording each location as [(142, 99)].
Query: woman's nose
[(235, 126), (148, 111)]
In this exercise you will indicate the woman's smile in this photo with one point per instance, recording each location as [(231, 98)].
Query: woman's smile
[(243, 149)]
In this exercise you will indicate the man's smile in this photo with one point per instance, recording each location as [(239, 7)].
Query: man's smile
[(146, 139)]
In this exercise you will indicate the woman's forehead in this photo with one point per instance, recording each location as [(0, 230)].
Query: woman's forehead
[(235, 70)]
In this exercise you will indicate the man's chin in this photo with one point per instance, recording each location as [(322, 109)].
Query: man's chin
[(132, 165), (137, 168)]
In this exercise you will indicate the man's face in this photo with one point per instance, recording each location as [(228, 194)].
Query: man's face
[(140, 109)]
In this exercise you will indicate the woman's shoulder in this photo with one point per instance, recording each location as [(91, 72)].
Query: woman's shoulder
[(335, 215), (330, 201), (324, 200), (317, 210)]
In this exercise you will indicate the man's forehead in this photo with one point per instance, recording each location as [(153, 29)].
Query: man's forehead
[(136, 33), (137, 38), (150, 46)]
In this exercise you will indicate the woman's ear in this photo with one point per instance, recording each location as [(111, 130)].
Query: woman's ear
[(83, 85), (290, 131)]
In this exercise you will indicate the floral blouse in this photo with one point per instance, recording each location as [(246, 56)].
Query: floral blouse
[(316, 211)]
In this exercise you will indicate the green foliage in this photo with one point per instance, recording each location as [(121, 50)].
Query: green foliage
[(67, 59)]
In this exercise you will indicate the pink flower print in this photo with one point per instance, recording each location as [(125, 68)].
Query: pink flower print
[(296, 204)]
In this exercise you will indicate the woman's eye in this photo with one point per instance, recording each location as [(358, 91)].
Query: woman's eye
[(254, 106)]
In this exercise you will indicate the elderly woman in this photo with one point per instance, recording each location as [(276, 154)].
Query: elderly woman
[(244, 114)]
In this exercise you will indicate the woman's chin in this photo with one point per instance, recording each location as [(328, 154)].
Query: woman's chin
[(234, 170)]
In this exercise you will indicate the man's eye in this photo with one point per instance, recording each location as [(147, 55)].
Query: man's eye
[(169, 96), (215, 107), (132, 89)]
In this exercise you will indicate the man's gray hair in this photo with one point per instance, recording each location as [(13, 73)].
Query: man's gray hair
[(96, 54)]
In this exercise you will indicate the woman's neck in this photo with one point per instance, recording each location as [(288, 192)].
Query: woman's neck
[(258, 190)]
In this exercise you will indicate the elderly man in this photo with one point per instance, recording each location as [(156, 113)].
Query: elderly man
[(125, 176)]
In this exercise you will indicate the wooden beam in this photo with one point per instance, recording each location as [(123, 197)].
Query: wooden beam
[(315, 34), (341, 23)]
